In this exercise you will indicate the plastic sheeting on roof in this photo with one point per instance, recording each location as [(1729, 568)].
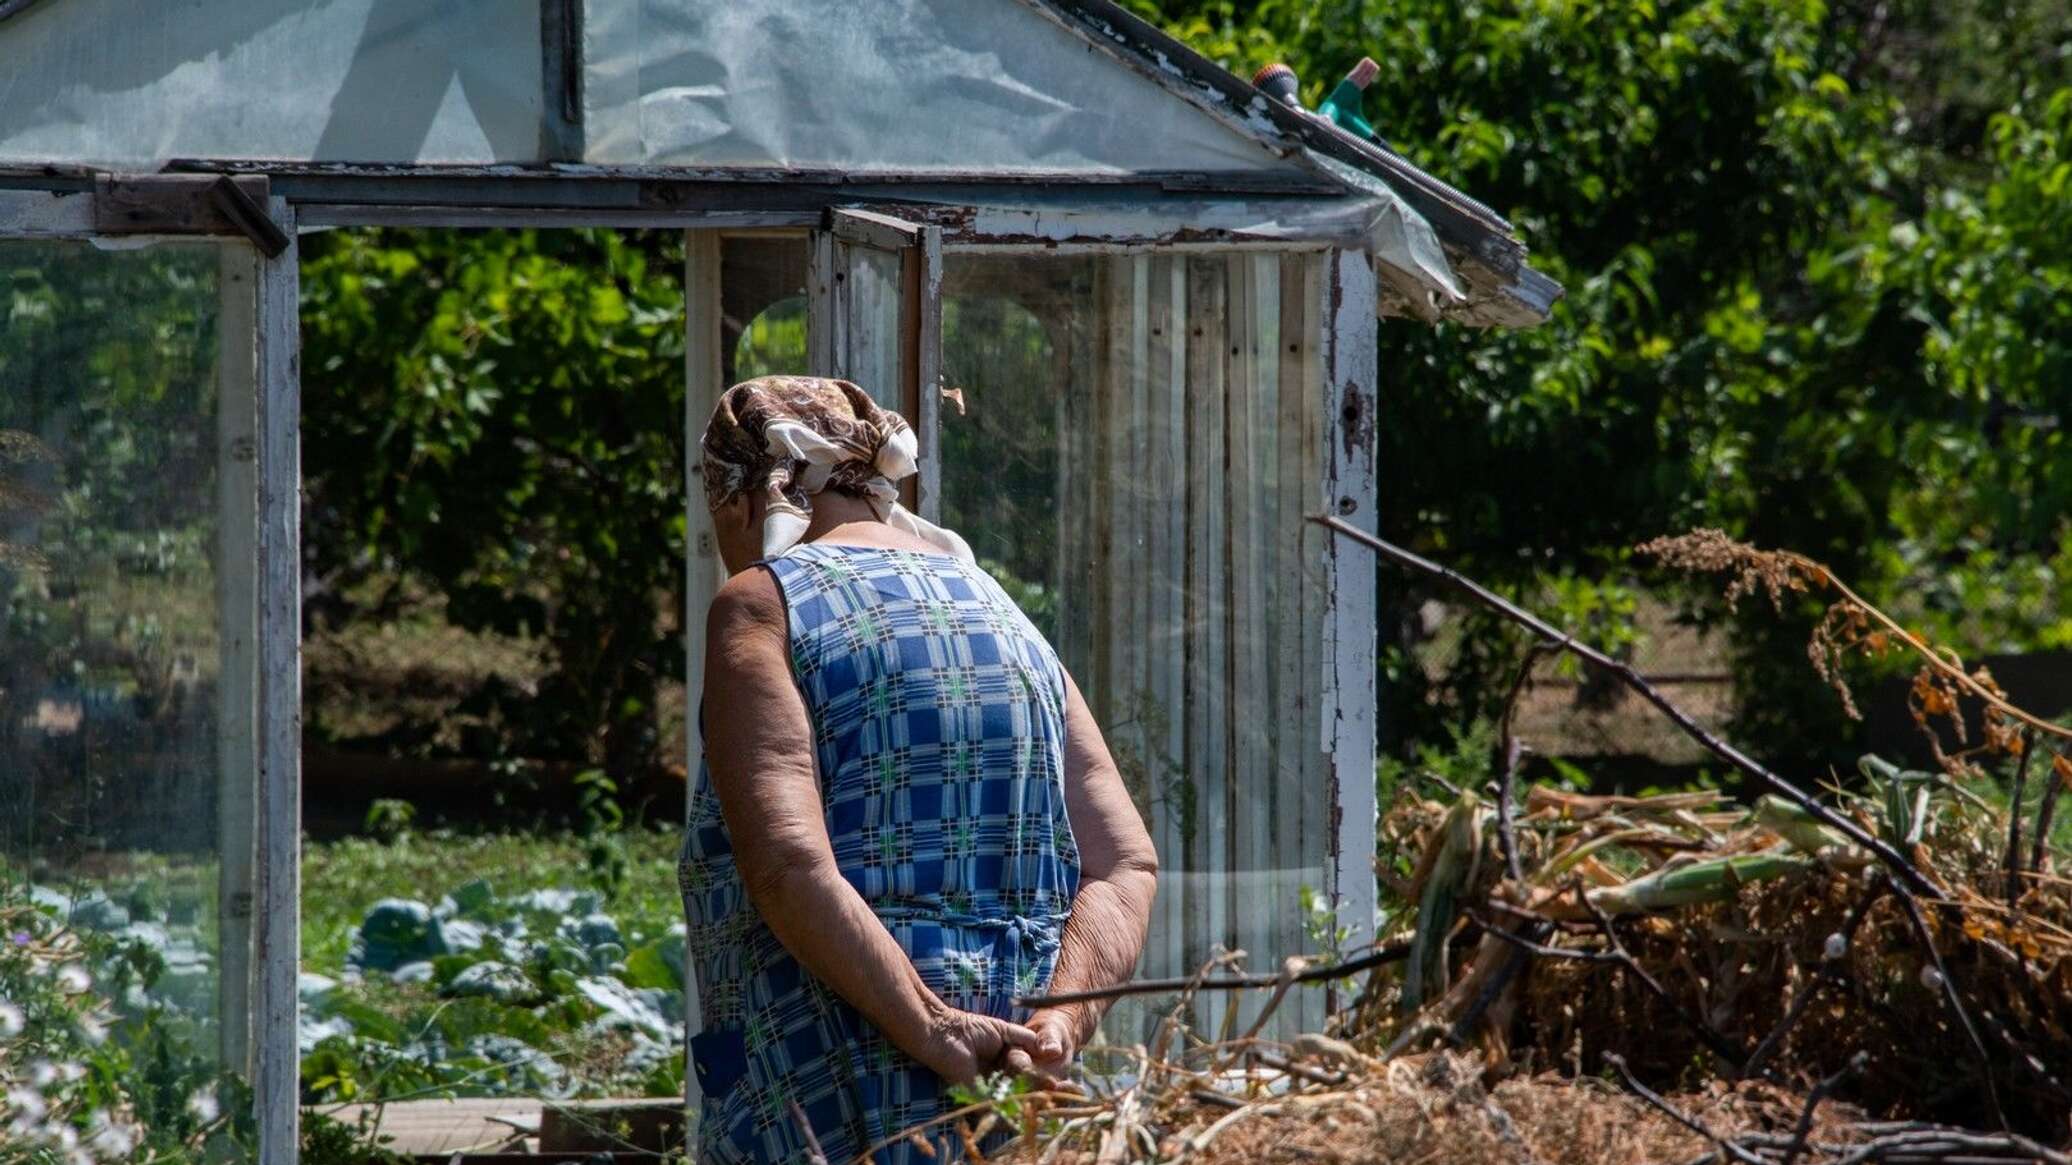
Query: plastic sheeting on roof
[(933, 86), (132, 83)]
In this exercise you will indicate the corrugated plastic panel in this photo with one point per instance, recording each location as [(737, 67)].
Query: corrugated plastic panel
[(908, 85), (129, 84)]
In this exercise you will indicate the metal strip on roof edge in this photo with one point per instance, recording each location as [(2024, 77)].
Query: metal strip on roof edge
[(1248, 182)]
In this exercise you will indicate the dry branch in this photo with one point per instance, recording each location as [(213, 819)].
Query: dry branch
[(1323, 973), (1625, 673)]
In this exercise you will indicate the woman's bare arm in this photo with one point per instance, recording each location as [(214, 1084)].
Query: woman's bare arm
[(758, 740), (1118, 878)]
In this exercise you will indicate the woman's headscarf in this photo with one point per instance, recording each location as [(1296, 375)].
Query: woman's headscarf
[(790, 437)]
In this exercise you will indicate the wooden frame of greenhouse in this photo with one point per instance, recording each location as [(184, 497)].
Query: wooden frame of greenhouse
[(1205, 268)]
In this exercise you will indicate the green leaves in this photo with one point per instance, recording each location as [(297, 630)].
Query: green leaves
[(500, 414), (1817, 262)]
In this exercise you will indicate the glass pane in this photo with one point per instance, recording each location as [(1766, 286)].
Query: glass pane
[(870, 300), (763, 307), (112, 684), (1140, 439)]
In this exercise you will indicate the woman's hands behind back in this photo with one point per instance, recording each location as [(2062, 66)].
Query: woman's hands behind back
[(962, 1045)]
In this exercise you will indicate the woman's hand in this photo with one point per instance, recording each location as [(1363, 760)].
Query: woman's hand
[(963, 1044), (1050, 1062)]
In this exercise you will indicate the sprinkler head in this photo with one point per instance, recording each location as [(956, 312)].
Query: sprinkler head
[(1278, 81)]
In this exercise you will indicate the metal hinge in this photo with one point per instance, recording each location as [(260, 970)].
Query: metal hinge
[(188, 204)]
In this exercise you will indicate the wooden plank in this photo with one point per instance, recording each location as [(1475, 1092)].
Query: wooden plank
[(1208, 710), (445, 1126), (881, 232), (869, 297), (1116, 502), (1143, 508), (1305, 473), (1167, 287), (642, 1127), (1293, 794), (277, 946), (1350, 696), (1094, 523), (37, 214), (705, 572), (821, 309), (1073, 562), (1275, 631), (1248, 926), (1126, 487), (237, 623), (347, 214), (925, 299)]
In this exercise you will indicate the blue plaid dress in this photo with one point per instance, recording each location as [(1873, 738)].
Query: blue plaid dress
[(938, 718)]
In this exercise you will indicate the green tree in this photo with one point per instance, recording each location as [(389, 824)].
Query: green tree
[(501, 414), (1809, 253)]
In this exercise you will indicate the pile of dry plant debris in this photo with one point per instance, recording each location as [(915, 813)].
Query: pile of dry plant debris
[(1874, 971)]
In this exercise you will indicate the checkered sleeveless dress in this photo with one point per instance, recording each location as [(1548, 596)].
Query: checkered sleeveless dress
[(938, 720)]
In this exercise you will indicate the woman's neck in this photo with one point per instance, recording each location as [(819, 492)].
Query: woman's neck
[(842, 520)]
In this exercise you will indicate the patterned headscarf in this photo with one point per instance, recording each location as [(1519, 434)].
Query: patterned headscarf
[(790, 437)]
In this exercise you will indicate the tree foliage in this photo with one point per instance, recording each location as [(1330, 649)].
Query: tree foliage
[(501, 413), (1814, 257)]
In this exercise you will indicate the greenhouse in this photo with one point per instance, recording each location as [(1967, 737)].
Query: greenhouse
[(930, 189)]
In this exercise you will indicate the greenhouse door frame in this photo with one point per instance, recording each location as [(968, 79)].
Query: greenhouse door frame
[(259, 510), (1349, 704)]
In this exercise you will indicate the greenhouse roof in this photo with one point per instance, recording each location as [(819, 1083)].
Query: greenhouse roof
[(1032, 100)]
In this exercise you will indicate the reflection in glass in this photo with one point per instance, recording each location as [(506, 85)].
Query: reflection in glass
[(111, 661), (762, 307), (1139, 441)]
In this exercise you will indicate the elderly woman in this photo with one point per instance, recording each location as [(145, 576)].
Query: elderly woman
[(907, 816)]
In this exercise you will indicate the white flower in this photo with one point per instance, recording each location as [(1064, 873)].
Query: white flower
[(73, 979), (204, 1106), (11, 1020), (43, 1073), (27, 1102), (110, 1139), (91, 1030)]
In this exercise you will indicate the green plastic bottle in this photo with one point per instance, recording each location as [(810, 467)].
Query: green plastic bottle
[(1343, 106)]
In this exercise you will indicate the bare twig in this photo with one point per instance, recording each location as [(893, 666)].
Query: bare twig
[(1509, 752), (1956, 1001), (1848, 828), (2013, 863), (1678, 1115), (1289, 969), (1393, 953), (2053, 783), (1933, 1143), (1805, 1126)]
